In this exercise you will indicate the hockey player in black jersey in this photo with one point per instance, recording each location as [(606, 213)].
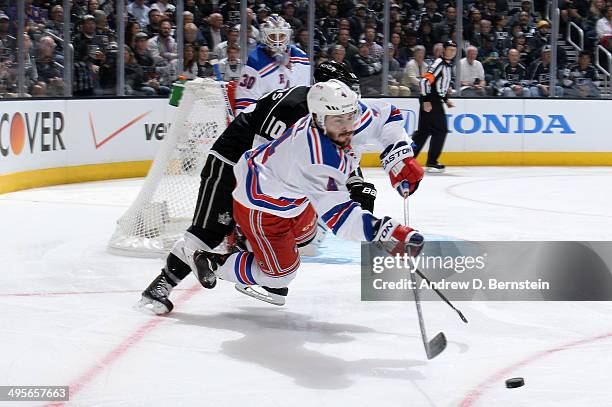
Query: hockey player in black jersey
[(213, 220)]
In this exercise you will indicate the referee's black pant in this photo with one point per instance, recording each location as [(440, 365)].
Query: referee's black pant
[(432, 123)]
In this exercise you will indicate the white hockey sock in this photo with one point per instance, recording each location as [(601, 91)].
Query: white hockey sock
[(242, 268)]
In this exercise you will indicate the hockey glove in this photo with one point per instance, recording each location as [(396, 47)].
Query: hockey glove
[(404, 171), (396, 238), (364, 193)]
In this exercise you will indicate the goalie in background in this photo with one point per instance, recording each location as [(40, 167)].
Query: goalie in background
[(274, 64)]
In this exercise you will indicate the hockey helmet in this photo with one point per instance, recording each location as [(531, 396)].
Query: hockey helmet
[(331, 98), (334, 70), (276, 33)]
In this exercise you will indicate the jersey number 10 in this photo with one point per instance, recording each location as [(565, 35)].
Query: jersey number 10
[(275, 128)]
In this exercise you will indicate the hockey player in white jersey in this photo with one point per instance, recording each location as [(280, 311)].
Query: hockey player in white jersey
[(274, 64), (282, 186)]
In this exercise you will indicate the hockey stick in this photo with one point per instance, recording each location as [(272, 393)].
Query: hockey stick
[(219, 78), (434, 347), (442, 296)]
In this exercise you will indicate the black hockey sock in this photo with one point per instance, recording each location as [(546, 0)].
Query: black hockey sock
[(176, 270)]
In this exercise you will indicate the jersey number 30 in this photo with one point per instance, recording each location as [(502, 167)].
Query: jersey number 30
[(247, 81)]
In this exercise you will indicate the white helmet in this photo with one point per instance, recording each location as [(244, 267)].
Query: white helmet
[(331, 98), (276, 33)]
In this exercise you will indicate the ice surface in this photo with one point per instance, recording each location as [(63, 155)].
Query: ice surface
[(67, 317)]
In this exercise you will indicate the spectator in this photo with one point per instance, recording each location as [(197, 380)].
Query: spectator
[(542, 35), (514, 76), (188, 18), (473, 25), (338, 54), (289, 16), (164, 6), (193, 36), (376, 51), (8, 43), (501, 32), (426, 36), (214, 33), (330, 24), (49, 71), (604, 29), (205, 69), (252, 30), (443, 29), (415, 69), (399, 51), (539, 75), (230, 11), (491, 62), (88, 58), (526, 24), (519, 42), (137, 81), (190, 5), (490, 10), (484, 34), (394, 86), (142, 55), (163, 47), (471, 76), (368, 70), (233, 38), (231, 66), (431, 13), (92, 7), (140, 11), (131, 30), (358, 22), (56, 23), (344, 39), (190, 68), (155, 18), (583, 79)]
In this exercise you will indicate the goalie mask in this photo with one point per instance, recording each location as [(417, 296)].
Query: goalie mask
[(276, 34), (334, 98)]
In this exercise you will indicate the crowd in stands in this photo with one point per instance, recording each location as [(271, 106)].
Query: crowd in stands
[(506, 44)]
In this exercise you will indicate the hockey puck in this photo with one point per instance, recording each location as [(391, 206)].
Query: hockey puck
[(515, 382)]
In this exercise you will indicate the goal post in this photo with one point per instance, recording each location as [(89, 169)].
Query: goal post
[(164, 207)]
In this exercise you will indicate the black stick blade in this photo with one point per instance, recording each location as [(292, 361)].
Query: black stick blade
[(436, 346)]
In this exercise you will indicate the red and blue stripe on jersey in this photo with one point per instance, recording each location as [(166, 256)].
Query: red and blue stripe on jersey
[(243, 103), (395, 115), (253, 190), (336, 216), (297, 56), (243, 268), (324, 151)]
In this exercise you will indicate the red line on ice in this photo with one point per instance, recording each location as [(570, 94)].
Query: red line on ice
[(53, 293), (502, 374), (120, 349)]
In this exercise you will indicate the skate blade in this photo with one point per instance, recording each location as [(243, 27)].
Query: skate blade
[(430, 170), (264, 296), (147, 305), (309, 250)]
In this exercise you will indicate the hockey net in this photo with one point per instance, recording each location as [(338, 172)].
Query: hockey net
[(164, 207)]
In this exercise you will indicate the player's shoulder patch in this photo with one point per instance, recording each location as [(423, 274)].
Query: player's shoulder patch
[(297, 56), (259, 59)]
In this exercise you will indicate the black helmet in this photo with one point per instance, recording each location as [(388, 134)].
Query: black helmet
[(335, 70), (450, 43)]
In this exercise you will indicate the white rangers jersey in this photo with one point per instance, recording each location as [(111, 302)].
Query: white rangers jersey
[(304, 166), (263, 74)]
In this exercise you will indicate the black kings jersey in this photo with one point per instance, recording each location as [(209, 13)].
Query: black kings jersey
[(274, 113)]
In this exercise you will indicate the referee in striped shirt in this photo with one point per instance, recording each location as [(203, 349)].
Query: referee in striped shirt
[(432, 118)]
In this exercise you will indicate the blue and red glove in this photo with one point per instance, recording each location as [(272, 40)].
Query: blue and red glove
[(396, 238), (404, 171)]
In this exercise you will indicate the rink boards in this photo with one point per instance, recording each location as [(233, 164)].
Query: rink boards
[(47, 142)]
